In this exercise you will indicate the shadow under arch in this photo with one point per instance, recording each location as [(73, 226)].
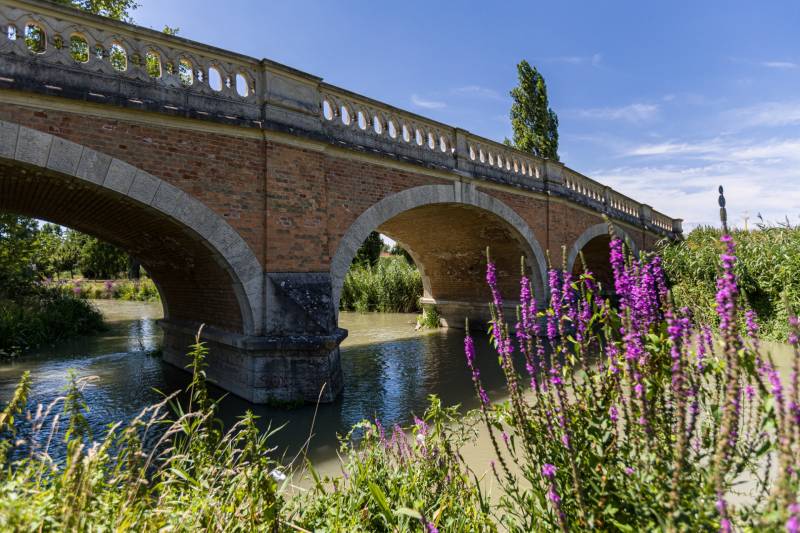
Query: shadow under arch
[(593, 242), (205, 271), (435, 204)]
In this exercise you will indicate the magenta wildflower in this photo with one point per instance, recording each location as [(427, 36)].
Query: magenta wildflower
[(548, 470), (469, 351)]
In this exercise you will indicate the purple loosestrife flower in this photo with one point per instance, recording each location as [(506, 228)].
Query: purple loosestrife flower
[(727, 288), (793, 524), (469, 351), (431, 528), (613, 414), (491, 280), (722, 509), (548, 470)]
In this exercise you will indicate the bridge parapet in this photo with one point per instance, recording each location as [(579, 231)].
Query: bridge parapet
[(61, 51), (57, 50)]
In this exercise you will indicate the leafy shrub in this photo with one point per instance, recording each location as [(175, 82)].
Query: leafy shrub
[(768, 269), (44, 316), (392, 285)]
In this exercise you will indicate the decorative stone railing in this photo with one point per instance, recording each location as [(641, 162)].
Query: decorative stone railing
[(53, 49)]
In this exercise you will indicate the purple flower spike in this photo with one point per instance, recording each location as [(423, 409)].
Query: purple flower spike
[(548, 470)]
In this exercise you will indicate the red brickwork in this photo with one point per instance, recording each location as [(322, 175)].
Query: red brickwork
[(291, 205)]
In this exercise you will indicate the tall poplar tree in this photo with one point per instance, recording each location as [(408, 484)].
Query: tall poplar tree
[(535, 125)]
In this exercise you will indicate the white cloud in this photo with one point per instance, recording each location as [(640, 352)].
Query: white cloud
[(767, 114), (779, 64), (426, 104), (594, 60), (629, 113), (477, 91), (759, 176)]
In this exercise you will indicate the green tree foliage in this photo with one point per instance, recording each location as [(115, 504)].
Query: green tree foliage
[(370, 250), (98, 259), (17, 251), (399, 250), (535, 125), (113, 9)]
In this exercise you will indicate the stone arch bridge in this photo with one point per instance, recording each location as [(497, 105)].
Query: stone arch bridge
[(245, 188)]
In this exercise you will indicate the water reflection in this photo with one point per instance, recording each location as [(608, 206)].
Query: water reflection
[(389, 371)]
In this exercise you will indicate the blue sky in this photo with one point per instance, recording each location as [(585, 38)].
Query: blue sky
[(663, 101)]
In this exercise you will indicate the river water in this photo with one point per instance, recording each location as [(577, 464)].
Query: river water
[(389, 371)]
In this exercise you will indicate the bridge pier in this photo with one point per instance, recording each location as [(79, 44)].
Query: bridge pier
[(263, 369)]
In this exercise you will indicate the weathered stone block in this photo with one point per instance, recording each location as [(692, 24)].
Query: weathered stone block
[(33, 146), (93, 166), (64, 156), (8, 138), (120, 176), (144, 187)]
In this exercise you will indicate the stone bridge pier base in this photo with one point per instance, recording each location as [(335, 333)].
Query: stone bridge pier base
[(298, 358), (261, 369)]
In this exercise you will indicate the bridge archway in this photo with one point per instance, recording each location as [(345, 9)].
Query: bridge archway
[(204, 270), (594, 244), (446, 229)]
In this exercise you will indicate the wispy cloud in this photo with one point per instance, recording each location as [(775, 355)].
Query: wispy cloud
[(594, 60), (767, 114), (679, 177), (779, 64), (426, 104), (629, 113), (477, 91)]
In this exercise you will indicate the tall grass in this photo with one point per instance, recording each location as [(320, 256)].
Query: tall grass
[(768, 269), (392, 285)]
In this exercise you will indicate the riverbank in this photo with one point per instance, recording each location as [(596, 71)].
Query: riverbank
[(141, 290)]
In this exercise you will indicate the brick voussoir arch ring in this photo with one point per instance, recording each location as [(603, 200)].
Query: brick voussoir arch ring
[(34, 147), (457, 193), (592, 232)]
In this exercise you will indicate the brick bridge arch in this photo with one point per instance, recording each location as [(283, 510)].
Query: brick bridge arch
[(197, 260), (449, 225)]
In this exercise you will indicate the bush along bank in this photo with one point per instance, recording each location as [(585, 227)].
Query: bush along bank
[(392, 285), (767, 267), (622, 419), (42, 316)]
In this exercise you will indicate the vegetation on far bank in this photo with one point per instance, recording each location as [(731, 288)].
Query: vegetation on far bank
[(141, 290), (390, 285), (768, 269), (42, 301)]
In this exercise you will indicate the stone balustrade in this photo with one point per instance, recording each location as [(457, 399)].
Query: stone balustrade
[(57, 50)]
